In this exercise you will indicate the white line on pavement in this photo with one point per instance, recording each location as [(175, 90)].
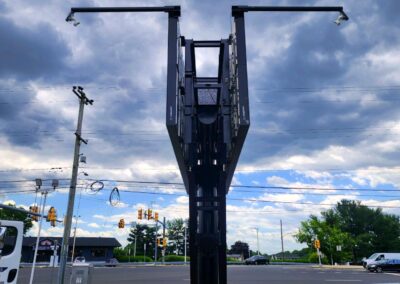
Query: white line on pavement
[(396, 274), (342, 280)]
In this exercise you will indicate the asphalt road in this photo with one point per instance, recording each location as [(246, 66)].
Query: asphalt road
[(268, 274)]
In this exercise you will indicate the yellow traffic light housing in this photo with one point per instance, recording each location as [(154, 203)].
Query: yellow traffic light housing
[(317, 244), (140, 214), (149, 214), (51, 215), (164, 242), (121, 224), (34, 209), (156, 216), (159, 242)]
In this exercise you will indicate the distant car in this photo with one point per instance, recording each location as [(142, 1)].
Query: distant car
[(256, 259), (385, 265), (112, 262), (80, 259)]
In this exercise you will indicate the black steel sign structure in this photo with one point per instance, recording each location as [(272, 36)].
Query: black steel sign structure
[(207, 119)]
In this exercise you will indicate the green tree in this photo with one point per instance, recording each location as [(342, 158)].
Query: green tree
[(371, 229), (241, 248), (360, 231), (176, 236), (8, 214), (330, 237), (144, 235)]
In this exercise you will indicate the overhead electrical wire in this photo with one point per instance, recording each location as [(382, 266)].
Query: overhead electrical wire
[(233, 186)]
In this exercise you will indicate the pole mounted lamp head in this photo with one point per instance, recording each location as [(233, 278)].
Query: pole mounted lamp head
[(54, 183), (71, 18), (342, 17), (38, 183)]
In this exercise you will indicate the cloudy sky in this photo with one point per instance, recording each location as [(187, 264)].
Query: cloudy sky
[(324, 111)]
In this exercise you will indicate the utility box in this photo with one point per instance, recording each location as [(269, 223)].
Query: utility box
[(81, 273)]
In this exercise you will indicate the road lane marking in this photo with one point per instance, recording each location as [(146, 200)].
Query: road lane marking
[(396, 274), (342, 280)]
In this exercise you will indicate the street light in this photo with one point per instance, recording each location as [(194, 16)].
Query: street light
[(44, 192), (258, 244)]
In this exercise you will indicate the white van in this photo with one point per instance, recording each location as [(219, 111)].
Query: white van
[(379, 256), (11, 233)]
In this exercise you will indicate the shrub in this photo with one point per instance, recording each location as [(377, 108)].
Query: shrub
[(138, 258), (313, 258), (173, 258)]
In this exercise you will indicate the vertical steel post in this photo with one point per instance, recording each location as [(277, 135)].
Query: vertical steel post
[(283, 251), (185, 252), (163, 233), (38, 236), (155, 244)]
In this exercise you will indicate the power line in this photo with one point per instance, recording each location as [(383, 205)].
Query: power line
[(233, 186)]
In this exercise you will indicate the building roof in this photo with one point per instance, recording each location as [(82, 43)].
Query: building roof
[(80, 241)]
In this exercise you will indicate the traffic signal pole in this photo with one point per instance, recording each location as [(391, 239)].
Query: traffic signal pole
[(83, 100), (38, 236)]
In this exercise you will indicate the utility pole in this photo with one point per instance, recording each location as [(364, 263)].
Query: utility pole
[(83, 100), (283, 251)]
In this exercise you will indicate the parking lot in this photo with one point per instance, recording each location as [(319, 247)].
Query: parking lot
[(236, 274)]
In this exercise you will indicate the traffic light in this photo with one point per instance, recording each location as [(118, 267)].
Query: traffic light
[(140, 214), (51, 215), (149, 214), (159, 242), (164, 242), (34, 209), (121, 224), (317, 244), (156, 216)]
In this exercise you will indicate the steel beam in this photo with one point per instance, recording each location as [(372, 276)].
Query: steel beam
[(237, 10), (175, 10)]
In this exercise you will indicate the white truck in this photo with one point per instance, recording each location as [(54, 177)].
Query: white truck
[(379, 256), (11, 233)]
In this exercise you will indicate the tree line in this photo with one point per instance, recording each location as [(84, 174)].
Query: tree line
[(351, 231)]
